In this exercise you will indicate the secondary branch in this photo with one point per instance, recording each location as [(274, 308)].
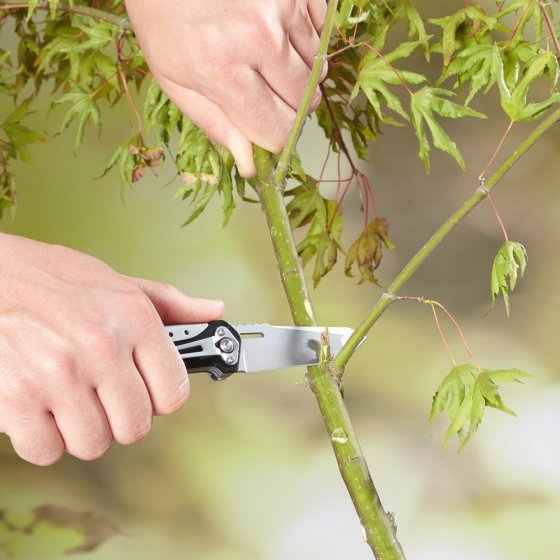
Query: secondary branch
[(427, 249), (100, 15)]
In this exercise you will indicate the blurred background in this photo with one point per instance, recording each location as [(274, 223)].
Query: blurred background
[(245, 471)]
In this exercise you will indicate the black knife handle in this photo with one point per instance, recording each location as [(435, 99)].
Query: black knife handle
[(214, 347)]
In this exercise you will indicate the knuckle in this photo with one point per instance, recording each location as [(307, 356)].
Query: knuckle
[(175, 400), (279, 133), (16, 391), (141, 307), (100, 340), (34, 450), (45, 459), (92, 452), (260, 31), (134, 435)]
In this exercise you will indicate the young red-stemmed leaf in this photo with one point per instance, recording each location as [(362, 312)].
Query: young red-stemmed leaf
[(465, 393), (509, 264), (425, 104), (367, 251)]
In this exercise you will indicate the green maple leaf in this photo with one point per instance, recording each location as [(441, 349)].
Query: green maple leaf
[(20, 135), (452, 25), (376, 73), (513, 95), (474, 64), (424, 105), (509, 263), (322, 239), (465, 393), (83, 108)]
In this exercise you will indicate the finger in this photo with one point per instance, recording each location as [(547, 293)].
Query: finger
[(304, 38), (175, 307), (210, 118), (127, 405), (288, 77), (82, 423), (163, 372), (259, 112), (36, 439), (317, 10)]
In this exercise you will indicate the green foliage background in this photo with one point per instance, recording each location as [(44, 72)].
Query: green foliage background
[(243, 471)]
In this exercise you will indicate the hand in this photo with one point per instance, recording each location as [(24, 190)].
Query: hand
[(84, 357), (237, 68)]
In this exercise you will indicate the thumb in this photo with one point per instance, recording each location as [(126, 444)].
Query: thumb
[(175, 307)]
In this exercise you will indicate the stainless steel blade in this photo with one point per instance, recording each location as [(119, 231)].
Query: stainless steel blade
[(266, 347)]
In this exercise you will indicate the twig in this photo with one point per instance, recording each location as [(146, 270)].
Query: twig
[(87, 11), (406, 273)]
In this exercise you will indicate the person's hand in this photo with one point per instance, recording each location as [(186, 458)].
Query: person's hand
[(84, 357), (237, 68)]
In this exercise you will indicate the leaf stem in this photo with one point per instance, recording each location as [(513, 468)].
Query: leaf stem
[(550, 28), (390, 295), (498, 217), (101, 15)]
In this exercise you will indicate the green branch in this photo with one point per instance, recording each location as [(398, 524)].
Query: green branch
[(480, 194), (303, 109), (101, 15), (378, 526)]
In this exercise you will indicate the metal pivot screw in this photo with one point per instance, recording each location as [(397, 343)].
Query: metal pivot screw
[(230, 359), (221, 331), (226, 345)]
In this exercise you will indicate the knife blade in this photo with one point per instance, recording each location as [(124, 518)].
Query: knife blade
[(222, 349)]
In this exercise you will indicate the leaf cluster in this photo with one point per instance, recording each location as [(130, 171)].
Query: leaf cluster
[(90, 65), (509, 263), (465, 393)]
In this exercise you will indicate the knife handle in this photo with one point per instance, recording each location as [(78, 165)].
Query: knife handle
[(214, 347)]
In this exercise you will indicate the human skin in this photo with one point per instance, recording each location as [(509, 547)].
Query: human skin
[(84, 357), (236, 68)]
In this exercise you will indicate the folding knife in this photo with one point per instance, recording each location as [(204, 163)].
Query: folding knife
[(222, 349)]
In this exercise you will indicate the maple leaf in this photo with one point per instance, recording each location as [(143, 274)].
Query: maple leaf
[(423, 104), (479, 21), (465, 393), (510, 262), (84, 108), (322, 239), (367, 250), (376, 72), (20, 135), (474, 63), (513, 95)]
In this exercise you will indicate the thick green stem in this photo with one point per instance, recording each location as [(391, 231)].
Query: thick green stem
[(480, 194), (101, 15), (378, 526)]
